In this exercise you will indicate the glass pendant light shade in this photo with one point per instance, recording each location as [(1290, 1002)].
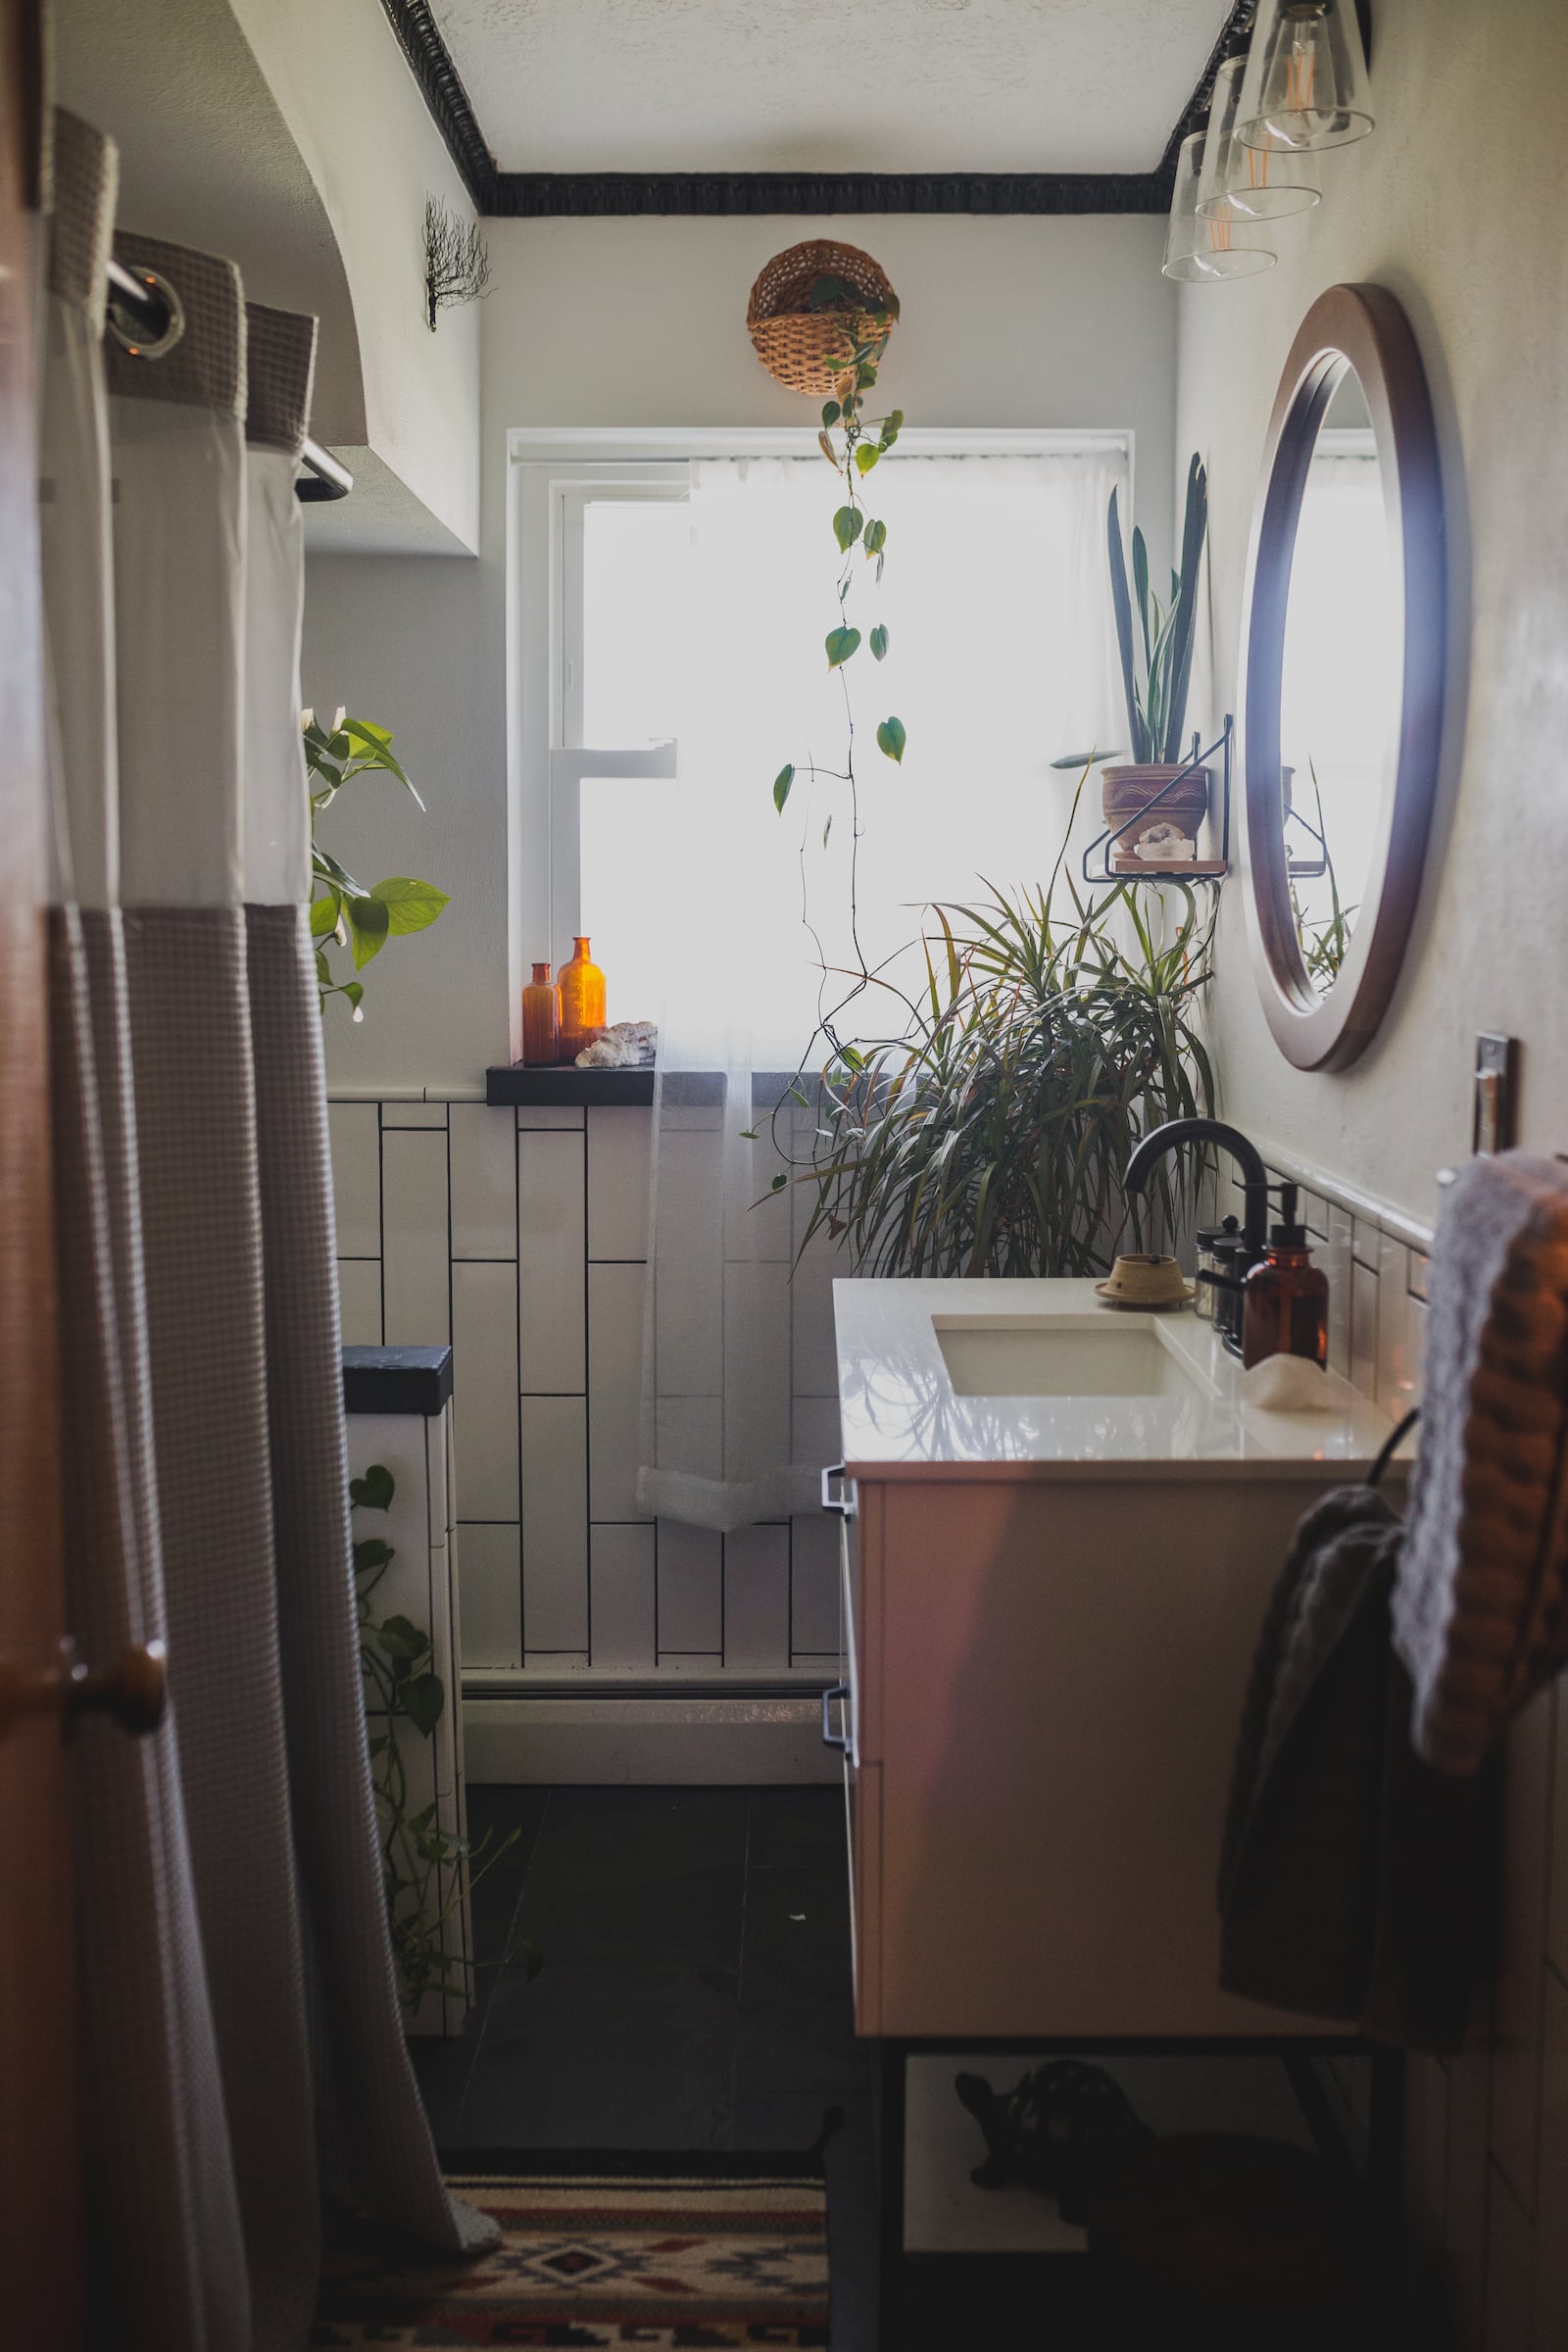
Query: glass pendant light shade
[(1245, 184), (1202, 252), (1306, 84)]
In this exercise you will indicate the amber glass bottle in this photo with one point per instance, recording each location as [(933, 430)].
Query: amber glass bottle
[(582, 1001), (1285, 1299), (541, 1019)]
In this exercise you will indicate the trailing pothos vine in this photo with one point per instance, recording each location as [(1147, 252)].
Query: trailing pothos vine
[(343, 912), (853, 445), (402, 1688)]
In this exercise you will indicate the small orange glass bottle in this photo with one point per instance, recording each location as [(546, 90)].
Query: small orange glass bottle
[(541, 1019), (582, 1001)]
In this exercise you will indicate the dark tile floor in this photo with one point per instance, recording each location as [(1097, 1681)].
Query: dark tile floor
[(695, 1992)]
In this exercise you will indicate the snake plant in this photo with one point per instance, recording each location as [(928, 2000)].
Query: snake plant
[(1157, 708)]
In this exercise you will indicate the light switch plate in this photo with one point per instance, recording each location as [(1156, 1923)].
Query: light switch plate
[(1496, 1087)]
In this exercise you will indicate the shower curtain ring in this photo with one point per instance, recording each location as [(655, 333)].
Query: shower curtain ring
[(148, 321)]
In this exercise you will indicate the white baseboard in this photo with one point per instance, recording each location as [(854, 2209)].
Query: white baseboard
[(646, 1741)]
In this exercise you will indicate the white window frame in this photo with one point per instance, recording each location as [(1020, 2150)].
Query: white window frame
[(552, 470)]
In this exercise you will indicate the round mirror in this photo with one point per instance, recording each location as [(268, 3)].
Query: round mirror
[(1342, 693)]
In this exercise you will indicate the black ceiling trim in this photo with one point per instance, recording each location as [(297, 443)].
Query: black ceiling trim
[(539, 195), (553, 195), (432, 65)]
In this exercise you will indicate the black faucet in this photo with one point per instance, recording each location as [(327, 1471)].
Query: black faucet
[(1255, 1176)]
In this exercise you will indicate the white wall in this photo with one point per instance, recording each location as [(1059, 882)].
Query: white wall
[(365, 135), (1056, 322), (1455, 203)]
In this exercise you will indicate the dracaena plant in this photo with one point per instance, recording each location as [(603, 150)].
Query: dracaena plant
[(1157, 692), (990, 1136), (344, 913), (853, 445)]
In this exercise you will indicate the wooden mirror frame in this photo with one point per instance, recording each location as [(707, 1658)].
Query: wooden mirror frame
[(1362, 326)]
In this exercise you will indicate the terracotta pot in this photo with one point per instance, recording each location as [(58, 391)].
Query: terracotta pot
[(1125, 791)]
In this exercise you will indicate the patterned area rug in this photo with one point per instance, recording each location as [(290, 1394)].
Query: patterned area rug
[(696, 2254)]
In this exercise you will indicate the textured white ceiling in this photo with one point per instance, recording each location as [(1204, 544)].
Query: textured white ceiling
[(829, 85)]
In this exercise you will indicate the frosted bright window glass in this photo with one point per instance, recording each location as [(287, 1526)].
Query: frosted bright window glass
[(625, 825), (1340, 681), (633, 570)]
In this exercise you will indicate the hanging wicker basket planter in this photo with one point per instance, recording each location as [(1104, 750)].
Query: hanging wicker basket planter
[(808, 348)]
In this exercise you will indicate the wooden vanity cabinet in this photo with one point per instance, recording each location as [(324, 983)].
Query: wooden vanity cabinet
[(1045, 1680)]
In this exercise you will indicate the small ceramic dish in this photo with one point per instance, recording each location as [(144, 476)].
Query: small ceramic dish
[(1146, 1283), (1144, 1307)]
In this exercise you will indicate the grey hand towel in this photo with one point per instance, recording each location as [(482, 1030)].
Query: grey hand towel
[(1479, 1614)]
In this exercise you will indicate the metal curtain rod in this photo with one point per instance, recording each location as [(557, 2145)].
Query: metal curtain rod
[(146, 313)]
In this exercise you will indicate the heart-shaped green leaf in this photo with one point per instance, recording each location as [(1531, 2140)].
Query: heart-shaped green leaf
[(876, 538), (891, 738), (410, 905), (878, 642), (781, 785), (831, 412), (867, 455), (375, 1490), (841, 644), (846, 524)]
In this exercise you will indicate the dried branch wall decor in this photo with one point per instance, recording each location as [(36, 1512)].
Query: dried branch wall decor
[(456, 263)]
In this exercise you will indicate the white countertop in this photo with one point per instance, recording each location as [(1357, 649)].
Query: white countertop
[(903, 1417)]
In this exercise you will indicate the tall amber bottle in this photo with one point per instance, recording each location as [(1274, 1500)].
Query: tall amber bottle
[(541, 1019), (582, 1001), (1285, 1299)]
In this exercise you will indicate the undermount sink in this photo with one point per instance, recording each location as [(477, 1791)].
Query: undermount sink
[(1062, 1356)]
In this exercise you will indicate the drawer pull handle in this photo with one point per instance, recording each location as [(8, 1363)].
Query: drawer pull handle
[(831, 1737), (841, 1502)]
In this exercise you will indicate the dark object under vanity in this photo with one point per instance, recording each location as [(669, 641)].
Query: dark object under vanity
[(1058, 2130)]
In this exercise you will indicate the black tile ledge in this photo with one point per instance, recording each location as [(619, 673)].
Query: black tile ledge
[(396, 1380), (512, 1083)]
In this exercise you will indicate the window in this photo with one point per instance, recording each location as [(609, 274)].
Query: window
[(669, 621)]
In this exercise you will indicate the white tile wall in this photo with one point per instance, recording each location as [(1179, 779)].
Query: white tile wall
[(490, 1587), (484, 1182), (416, 1252), (554, 1524), (551, 1252), (353, 1130), (691, 1592), (616, 1367), (358, 1299), (621, 1600), (617, 1182), (756, 1598), (485, 1386)]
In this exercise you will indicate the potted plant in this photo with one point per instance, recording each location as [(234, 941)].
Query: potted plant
[(1156, 702), (991, 1136)]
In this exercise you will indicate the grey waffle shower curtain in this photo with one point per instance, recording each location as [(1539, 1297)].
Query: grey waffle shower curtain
[(244, 2050)]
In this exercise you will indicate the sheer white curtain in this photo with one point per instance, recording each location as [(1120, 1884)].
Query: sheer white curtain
[(1000, 657)]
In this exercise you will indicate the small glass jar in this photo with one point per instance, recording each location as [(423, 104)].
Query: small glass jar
[(1211, 1239), (582, 1001), (541, 1020), (1231, 1260)]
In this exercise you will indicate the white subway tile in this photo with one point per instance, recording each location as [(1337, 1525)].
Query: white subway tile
[(554, 1523), (813, 1584), (1516, 2053), (550, 1262), (438, 1471), (414, 1192), (551, 1664), (1399, 1332), (758, 1224), (359, 1300), (615, 1388), (620, 1608), (490, 1595), (1363, 1328), (813, 1355), (485, 1388), (484, 1181), (691, 1588), (1551, 2284), (1334, 1260), (353, 1130), (549, 1117), (413, 1114), (618, 1144), (757, 1599), (691, 1434), (756, 1366), (689, 1322), (1420, 1274), (817, 1431)]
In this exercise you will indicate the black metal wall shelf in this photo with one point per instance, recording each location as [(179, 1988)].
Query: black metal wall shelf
[(566, 1089), (1192, 870)]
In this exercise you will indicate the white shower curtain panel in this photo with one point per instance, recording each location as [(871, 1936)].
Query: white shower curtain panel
[(1000, 657), (245, 2047)]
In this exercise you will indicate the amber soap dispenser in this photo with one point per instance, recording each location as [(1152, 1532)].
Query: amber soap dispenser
[(541, 1019), (1285, 1299)]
